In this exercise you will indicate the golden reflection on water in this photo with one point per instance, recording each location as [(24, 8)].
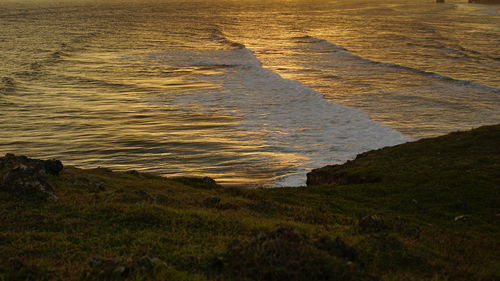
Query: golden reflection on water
[(110, 84)]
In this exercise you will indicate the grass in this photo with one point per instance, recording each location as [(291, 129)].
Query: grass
[(432, 214)]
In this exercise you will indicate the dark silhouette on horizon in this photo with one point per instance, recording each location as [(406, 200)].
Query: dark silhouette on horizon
[(484, 1)]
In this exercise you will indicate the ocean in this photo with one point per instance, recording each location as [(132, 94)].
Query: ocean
[(247, 92)]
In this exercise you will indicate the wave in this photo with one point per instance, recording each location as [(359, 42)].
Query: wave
[(36, 69), (456, 50), (290, 118), (220, 37), (327, 46), (216, 59)]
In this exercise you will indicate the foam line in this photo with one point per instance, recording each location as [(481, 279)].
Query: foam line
[(286, 115)]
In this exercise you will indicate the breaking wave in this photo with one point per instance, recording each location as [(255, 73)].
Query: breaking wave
[(288, 116), (326, 46)]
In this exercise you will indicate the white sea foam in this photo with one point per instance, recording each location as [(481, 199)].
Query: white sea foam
[(92, 84), (287, 115)]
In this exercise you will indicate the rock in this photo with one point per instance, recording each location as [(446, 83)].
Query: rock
[(119, 271), (147, 263), (263, 206), (284, 254), (25, 176), (209, 181), (103, 169), (99, 262), (10, 156), (214, 200), (333, 175), (113, 269), (321, 176), (410, 201), (24, 271), (16, 264), (133, 172), (105, 269), (100, 186), (372, 223), (198, 182), (52, 166), (146, 197), (461, 218), (22, 180), (337, 248)]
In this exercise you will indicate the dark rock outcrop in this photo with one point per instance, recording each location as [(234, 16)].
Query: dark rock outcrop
[(42, 167), (333, 175), (212, 201), (23, 176), (372, 223), (284, 254), (198, 182), (146, 197), (114, 269), (23, 271), (337, 248)]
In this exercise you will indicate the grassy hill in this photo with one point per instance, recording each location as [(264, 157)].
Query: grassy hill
[(426, 210)]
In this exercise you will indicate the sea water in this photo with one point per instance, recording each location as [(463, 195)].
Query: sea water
[(247, 92)]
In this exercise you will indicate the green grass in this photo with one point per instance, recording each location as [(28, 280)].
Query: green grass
[(405, 226)]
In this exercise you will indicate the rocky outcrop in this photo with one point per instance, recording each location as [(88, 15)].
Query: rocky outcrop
[(25, 176), (284, 254), (371, 223), (322, 176), (114, 269), (198, 182), (335, 175)]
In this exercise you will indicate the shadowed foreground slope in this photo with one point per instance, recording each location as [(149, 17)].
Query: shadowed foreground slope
[(427, 210)]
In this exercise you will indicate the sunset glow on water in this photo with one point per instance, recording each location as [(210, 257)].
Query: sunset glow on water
[(246, 92)]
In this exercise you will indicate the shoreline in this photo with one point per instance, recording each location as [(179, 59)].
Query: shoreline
[(406, 212)]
